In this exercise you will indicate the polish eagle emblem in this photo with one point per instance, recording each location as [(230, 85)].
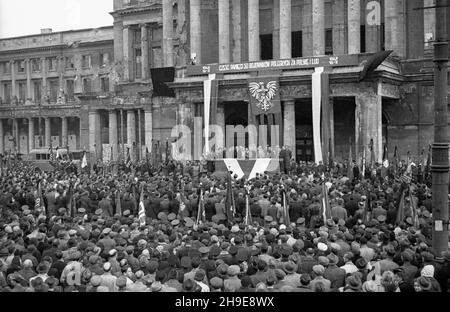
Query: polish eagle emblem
[(263, 94)]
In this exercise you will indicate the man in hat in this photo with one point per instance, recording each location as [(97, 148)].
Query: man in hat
[(106, 206), (334, 274), (339, 211), (232, 283)]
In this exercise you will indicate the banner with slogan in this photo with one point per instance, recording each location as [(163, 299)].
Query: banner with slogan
[(317, 106), (264, 95)]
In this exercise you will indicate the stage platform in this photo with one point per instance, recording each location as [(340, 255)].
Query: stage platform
[(247, 168)]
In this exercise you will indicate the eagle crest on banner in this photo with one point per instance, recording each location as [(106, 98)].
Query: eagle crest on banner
[(263, 94)]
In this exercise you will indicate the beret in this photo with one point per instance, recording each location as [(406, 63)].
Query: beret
[(301, 221), (81, 210), (268, 218), (171, 216), (126, 213), (98, 212), (175, 222)]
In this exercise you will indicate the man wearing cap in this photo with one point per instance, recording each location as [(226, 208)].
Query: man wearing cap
[(107, 242), (232, 283), (339, 211), (325, 284), (334, 274), (108, 280)]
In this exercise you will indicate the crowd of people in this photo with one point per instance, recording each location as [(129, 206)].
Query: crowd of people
[(85, 234)]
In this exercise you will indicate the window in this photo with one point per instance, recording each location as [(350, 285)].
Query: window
[(104, 81), (22, 91), (363, 38), (36, 65), (138, 62), (329, 41), (37, 86), (69, 63), (157, 57), (104, 59), (21, 66), (87, 85), (137, 36), (7, 93), (86, 61), (266, 47), (54, 87), (52, 64), (297, 44), (70, 89)]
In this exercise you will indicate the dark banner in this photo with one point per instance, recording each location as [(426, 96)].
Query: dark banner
[(264, 95)]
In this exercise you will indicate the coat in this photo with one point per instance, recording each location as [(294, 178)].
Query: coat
[(107, 207)]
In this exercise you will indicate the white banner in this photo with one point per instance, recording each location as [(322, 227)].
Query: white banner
[(316, 110), (260, 167), (233, 165), (207, 107)]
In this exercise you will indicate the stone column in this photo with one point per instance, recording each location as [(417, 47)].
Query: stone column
[(224, 31), (113, 138), (2, 135), (285, 29), (127, 53), (307, 28), (237, 30), (429, 16), (373, 26), (148, 127), (289, 139), (331, 103), (254, 45), (144, 48), (318, 27), (394, 21), (131, 127), (29, 90), (369, 125), (139, 140), (339, 28), (47, 133), (95, 143), (167, 12), (276, 30), (195, 29), (61, 73), (64, 132), (13, 80), (44, 78), (30, 134), (354, 27)]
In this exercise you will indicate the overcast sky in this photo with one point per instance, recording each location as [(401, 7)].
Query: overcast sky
[(27, 17)]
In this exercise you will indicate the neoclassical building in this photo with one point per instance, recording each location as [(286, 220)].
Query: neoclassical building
[(129, 84)]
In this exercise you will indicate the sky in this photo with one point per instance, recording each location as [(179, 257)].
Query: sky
[(28, 17)]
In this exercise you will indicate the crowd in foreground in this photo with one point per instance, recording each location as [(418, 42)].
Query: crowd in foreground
[(86, 236)]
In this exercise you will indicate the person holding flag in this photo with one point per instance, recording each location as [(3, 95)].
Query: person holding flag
[(286, 217), (326, 209)]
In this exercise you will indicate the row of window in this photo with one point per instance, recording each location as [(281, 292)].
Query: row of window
[(297, 43), (52, 63), (53, 89)]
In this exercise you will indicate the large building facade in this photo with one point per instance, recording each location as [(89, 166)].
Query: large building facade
[(94, 89)]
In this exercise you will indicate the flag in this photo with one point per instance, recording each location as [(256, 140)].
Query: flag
[(248, 216), (385, 166), (58, 155), (39, 201), (128, 162), (286, 218), (230, 206), (201, 216), (142, 216), (84, 161), (167, 151), (414, 214), (350, 163), (408, 163), (118, 203), (401, 209), (395, 161), (326, 210)]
